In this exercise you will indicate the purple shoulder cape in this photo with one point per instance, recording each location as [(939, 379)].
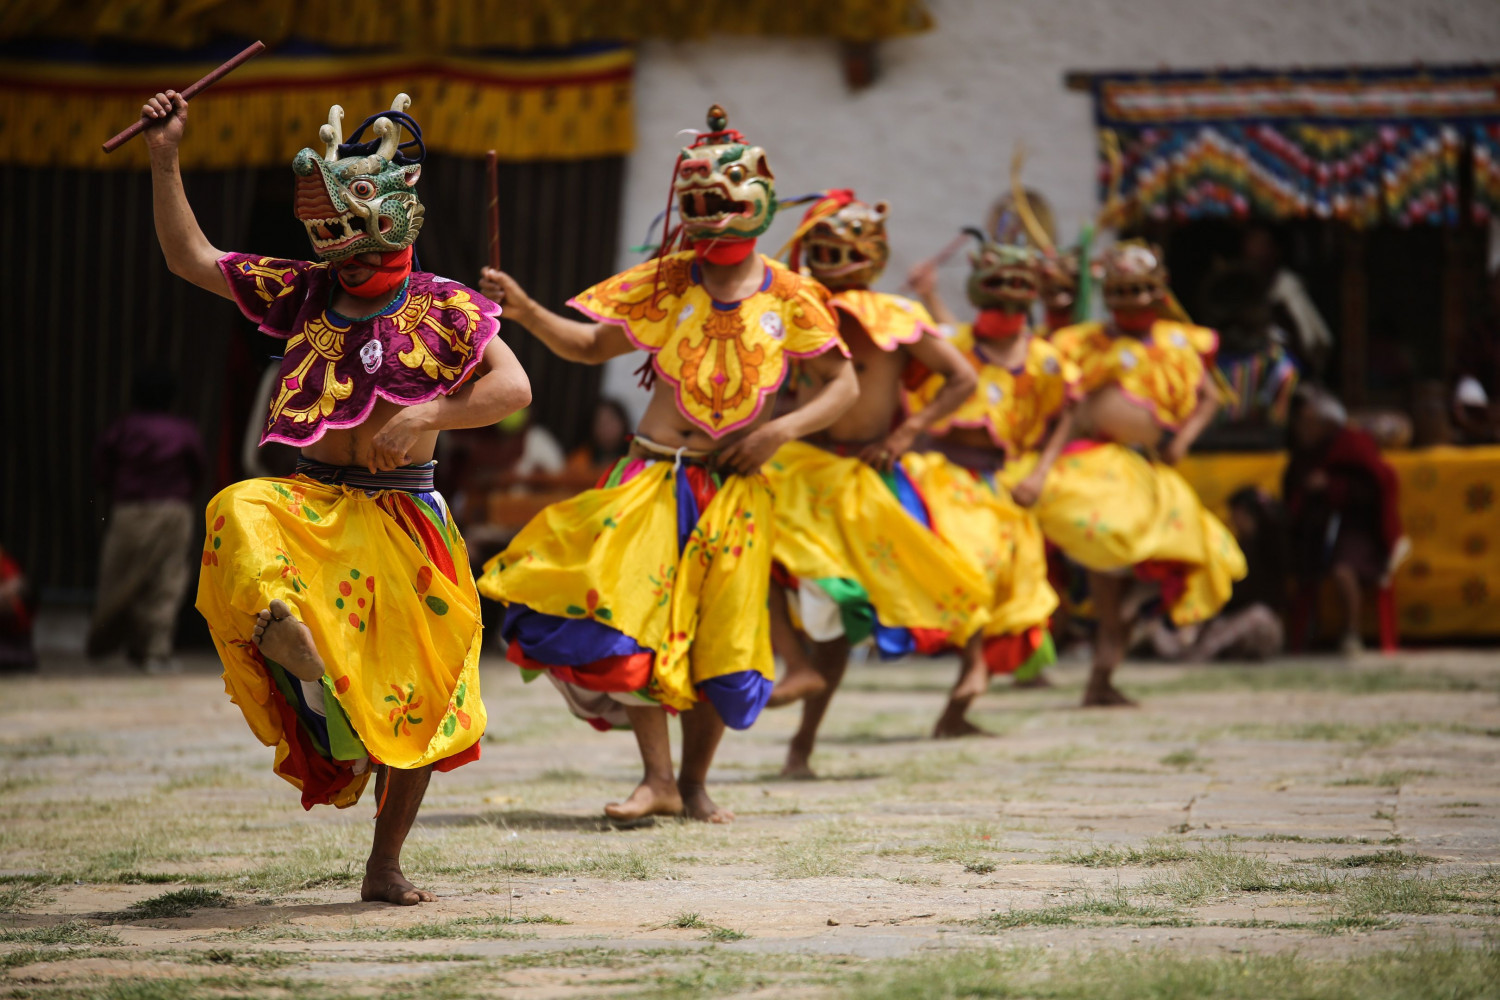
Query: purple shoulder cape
[(424, 343)]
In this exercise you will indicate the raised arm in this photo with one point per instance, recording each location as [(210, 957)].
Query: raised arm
[(499, 388), (188, 252), (924, 281), (571, 339), (941, 358), (838, 392)]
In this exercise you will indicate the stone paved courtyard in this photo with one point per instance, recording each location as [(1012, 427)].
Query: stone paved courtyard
[(1332, 823)]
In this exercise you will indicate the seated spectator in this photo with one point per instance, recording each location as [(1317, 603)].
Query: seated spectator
[(1340, 497), (17, 616), (1307, 335), (1253, 360), (1476, 391), (609, 439)]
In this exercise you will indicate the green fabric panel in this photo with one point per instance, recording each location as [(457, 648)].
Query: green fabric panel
[(889, 478), (616, 474), (855, 609), (527, 676), (1045, 656), (284, 682), (342, 739)]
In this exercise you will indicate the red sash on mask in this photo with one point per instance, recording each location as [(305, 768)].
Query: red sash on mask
[(389, 273), (1136, 321), (723, 251), (998, 324)]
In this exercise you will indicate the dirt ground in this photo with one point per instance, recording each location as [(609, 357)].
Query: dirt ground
[(1311, 819)]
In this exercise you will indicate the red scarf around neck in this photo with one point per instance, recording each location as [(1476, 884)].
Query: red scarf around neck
[(389, 273), (998, 324), (723, 251)]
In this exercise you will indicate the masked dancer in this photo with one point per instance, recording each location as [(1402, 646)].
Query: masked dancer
[(648, 595), (340, 600)]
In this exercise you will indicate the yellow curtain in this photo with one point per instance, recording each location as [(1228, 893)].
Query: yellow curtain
[(446, 25), (570, 107)]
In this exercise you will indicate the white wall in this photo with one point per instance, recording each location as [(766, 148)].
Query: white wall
[(934, 134)]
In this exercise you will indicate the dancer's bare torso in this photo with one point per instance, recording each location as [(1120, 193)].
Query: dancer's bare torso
[(879, 375)]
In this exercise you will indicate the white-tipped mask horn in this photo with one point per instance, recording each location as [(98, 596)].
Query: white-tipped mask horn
[(332, 134), (401, 103), (390, 135)]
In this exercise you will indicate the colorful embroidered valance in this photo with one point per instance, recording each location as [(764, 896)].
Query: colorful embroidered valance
[(1364, 146), (56, 106)]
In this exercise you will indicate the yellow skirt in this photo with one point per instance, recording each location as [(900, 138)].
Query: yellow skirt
[(1110, 509), (974, 513), (382, 581), (653, 586), (838, 520)]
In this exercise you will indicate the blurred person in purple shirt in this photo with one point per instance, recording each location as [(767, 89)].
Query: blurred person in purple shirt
[(150, 463)]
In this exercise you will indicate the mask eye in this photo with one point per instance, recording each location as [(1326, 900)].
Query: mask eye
[(857, 227), (736, 174), (362, 189)]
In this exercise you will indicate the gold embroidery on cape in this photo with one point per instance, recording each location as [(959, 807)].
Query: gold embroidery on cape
[(1016, 408), (621, 296), (888, 320), (734, 363), (426, 309), (264, 274), (1163, 369), (326, 340)]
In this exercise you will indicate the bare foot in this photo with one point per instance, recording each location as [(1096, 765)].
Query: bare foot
[(1100, 693), (287, 641), (702, 808), (952, 726), (1039, 681), (795, 686), (647, 800), (797, 767), (384, 883)]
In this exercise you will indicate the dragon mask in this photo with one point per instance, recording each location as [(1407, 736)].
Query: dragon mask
[(358, 197), (843, 240), (724, 189), (1135, 280), (1002, 276)]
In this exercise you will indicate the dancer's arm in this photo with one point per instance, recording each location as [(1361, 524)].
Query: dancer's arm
[(838, 391), (590, 343), (499, 388), (188, 252), (941, 358), (1029, 490), (923, 281), (1196, 423)]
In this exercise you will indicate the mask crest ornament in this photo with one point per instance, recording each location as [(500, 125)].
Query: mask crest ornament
[(358, 196), (843, 241)]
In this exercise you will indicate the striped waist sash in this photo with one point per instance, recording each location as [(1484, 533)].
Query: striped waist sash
[(408, 478)]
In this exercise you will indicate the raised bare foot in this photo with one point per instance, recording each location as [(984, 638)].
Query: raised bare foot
[(287, 641), (702, 808), (951, 727), (795, 686), (1100, 693), (384, 883), (647, 800)]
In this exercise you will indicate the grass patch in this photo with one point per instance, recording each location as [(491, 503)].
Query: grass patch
[(180, 903), (1216, 871), (1183, 759), (68, 932), (459, 928), (1448, 971), (820, 853), (1379, 859), (1156, 851), (712, 931), (1115, 909), (1383, 680), (1385, 779)]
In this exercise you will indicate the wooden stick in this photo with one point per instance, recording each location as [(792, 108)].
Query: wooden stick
[(492, 173), (188, 93)]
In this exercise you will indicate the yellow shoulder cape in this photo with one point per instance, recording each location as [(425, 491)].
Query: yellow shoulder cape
[(722, 358), (1015, 407), (1162, 370), (888, 320)]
